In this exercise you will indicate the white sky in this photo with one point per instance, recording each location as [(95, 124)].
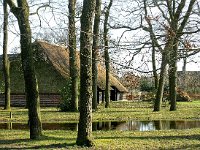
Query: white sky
[(50, 20)]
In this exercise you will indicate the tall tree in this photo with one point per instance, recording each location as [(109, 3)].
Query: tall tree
[(72, 56), (85, 119), (106, 54), (95, 48), (177, 25), (6, 63), (164, 61), (176, 17), (21, 12)]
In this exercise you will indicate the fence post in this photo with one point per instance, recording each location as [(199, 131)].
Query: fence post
[(10, 114)]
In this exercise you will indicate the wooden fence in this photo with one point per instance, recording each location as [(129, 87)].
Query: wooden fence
[(19, 99)]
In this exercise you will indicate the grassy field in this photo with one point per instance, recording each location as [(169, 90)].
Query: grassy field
[(60, 139), (117, 111), (172, 139)]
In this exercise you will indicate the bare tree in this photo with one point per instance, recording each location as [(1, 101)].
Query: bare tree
[(176, 27), (21, 12), (162, 34), (175, 18)]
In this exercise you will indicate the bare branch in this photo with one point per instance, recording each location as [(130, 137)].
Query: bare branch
[(43, 6)]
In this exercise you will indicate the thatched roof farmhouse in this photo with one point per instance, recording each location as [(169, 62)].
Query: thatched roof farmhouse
[(52, 70)]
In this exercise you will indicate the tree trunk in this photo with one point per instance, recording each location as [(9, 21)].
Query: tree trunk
[(160, 89), (107, 58), (85, 119), (6, 63), (173, 76), (72, 56), (31, 87), (155, 75), (183, 75), (95, 48)]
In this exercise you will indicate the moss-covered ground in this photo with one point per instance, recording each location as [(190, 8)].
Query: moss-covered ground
[(62, 139)]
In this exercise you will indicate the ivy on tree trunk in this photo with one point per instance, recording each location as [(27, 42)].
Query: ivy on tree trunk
[(84, 137), (6, 63), (95, 48), (21, 12), (72, 56)]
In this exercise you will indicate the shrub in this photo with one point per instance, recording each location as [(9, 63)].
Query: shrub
[(183, 96), (65, 93), (146, 86)]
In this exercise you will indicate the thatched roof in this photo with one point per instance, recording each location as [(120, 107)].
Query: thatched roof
[(59, 58), (49, 79)]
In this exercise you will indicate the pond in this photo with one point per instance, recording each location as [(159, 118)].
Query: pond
[(113, 125)]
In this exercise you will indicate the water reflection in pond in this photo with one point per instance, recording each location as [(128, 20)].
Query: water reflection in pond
[(158, 125), (123, 126)]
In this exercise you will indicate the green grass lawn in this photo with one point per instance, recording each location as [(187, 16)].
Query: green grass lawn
[(172, 139), (60, 139), (117, 111)]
